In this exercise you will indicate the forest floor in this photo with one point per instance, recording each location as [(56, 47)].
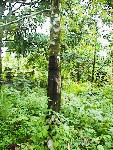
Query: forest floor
[(86, 118)]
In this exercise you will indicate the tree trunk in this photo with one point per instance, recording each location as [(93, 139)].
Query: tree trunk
[(54, 71), (1, 34), (93, 70), (112, 65), (0, 62), (78, 72)]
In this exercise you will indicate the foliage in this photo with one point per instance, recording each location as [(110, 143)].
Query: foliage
[(22, 115), (80, 33), (85, 119)]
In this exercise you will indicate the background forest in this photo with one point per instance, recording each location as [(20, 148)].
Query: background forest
[(56, 75)]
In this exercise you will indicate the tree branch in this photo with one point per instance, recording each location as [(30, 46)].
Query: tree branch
[(27, 16), (17, 8), (6, 40)]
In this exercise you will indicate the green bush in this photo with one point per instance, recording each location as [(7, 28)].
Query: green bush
[(85, 119), (22, 117)]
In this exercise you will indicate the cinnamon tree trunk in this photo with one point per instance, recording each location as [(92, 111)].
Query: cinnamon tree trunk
[(54, 71)]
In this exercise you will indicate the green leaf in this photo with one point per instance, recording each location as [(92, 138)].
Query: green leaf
[(100, 147)]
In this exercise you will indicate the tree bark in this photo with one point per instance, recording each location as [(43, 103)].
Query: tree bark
[(78, 72), (1, 34), (0, 60), (111, 65), (93, 69), (54, 71)]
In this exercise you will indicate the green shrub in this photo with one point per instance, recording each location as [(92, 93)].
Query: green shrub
[(22, 117), (85, 119)]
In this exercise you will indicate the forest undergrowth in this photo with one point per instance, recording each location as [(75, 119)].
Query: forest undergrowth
[(86, 118)]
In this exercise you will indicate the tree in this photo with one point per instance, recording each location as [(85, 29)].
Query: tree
[(54, 72), (1, 35), (20, 25), (20, 43)]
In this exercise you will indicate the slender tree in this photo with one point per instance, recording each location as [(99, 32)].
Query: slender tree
[(93, 67), (1, 34), (110, 4), (0, 61), (54, 72)]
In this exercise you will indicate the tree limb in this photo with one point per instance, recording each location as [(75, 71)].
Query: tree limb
[(27, 16), (7, 40), (17, 8)]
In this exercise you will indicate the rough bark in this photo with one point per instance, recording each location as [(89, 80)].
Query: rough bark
[(54, 71)]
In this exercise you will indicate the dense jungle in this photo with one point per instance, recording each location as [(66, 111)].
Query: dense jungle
[(56, 75)]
